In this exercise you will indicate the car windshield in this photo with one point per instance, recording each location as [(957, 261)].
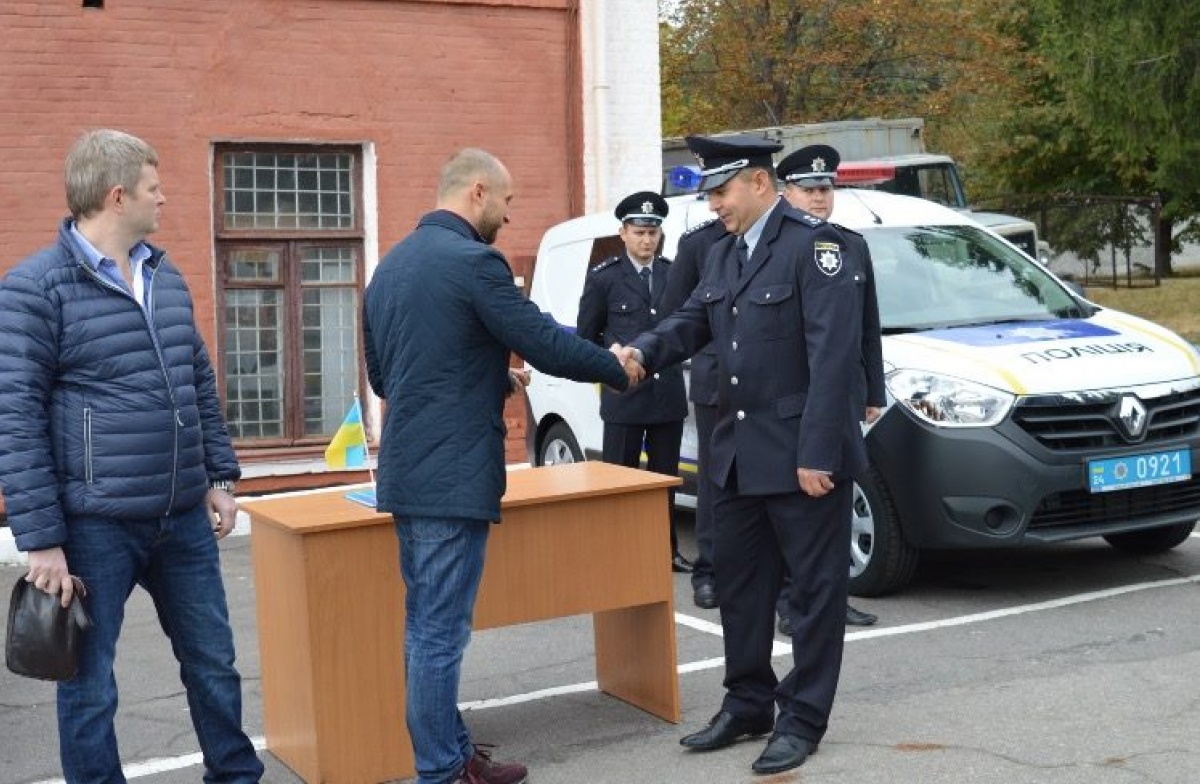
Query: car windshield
[(943, 276)]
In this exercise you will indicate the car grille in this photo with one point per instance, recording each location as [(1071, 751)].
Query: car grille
[(1068, 427), (1079, 507)]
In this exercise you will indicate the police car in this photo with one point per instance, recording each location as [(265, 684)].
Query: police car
[(1018, 412)]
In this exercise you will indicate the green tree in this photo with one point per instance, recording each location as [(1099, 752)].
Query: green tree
[(753, 63), (1113, 90)]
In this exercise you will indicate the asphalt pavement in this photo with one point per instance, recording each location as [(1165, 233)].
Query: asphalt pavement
[(1060, 665)]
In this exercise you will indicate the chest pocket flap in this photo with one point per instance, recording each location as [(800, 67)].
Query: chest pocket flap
[(772, 295), (710, 294)]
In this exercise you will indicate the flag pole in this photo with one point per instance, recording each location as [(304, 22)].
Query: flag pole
[(366, 448)]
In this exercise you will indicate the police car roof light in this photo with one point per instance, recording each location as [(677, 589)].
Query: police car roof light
[(685, 178)]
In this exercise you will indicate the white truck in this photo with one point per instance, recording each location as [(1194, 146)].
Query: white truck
[(1019, 413), (886, 155)]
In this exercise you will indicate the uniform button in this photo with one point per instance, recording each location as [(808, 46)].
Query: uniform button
[(735, 345), (656, 376), (735, 310), (653, 312), (768, 296), (741, 415), (733, 380)]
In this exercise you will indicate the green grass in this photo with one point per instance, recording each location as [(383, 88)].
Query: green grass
[(1175, 304)]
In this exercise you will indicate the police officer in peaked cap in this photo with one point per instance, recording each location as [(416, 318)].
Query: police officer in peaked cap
[(809, 175), (783, 311), (622, 298)]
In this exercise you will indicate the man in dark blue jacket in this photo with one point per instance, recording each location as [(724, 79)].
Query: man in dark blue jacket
[(783, 313), (622, 298), (115, 460), (808, 175), (442, 316)]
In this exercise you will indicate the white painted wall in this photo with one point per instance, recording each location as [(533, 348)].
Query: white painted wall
[(622, 117)]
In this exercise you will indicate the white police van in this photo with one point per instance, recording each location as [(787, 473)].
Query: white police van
[(1019, 413)]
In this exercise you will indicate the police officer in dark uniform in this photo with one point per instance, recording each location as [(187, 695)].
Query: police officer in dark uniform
[(783, 312), (622, 298), (808, 177), (686, 271)]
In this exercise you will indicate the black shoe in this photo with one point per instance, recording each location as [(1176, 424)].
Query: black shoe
[(725, 729), (785, 625), (705, 596), (859, 618), (680, 564), (784, 752)]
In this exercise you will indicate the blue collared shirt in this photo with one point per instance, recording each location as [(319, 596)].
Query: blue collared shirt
[(754, 233), (108, 267)]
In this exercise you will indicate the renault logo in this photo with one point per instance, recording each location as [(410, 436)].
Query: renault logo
[(1132, 415)]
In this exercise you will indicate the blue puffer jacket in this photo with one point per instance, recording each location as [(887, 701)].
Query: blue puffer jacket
[(105, 409)]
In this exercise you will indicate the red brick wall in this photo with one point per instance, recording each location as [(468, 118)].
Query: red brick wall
[(418, 78)]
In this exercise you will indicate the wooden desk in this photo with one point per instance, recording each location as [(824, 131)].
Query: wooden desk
[(581, 538)]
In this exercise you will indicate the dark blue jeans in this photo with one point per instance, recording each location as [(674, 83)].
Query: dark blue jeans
[(441, 561), (176, 560)]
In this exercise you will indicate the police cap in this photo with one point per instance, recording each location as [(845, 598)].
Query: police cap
[(810, 167), (644, 208), (722, 157)]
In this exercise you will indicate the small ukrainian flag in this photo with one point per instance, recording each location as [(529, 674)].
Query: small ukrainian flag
[(348, 449)]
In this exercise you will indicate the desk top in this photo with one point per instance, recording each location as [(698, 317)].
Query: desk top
[(328, 510)]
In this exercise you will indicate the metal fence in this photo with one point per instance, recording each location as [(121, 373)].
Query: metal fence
[(1094, 240)]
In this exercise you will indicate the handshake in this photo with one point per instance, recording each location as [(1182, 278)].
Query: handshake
[(631, 362)]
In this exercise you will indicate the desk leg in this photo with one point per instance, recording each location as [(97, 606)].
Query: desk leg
[(635, 657)]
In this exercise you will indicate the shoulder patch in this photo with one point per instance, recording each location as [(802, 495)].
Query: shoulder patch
[(611, 260), (828, 256)]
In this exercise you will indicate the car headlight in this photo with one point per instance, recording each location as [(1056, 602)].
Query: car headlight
[(946, 401)]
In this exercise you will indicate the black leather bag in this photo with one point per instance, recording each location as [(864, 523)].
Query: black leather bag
[(43, 637)]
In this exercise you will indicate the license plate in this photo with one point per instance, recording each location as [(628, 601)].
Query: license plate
[(1123, 473)]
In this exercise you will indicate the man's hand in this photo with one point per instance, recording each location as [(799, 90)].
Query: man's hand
[(222, 510), (873, 413), (48, 572), (628, 357), (518, 379), (814, 483)]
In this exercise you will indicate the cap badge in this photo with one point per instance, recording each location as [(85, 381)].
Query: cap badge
[(648, 207), (818, 164), (828, 256)]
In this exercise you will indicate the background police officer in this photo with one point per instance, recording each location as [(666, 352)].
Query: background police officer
[(783, 311), (808, 176), (691, 260), (622, 298)]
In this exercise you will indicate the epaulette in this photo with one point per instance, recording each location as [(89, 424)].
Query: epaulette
[(840, 227), (663, 260), (698, 227), (803, 217), (611, 260)]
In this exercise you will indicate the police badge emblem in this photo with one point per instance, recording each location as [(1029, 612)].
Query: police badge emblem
[(828, 256)]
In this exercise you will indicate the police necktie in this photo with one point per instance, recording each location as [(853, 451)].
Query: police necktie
[(742, 254), (645, 274)]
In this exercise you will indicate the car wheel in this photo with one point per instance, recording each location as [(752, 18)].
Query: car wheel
[(559, 446), (881, 561), (1152, 540)]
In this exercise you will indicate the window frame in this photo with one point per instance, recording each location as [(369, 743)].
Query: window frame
[(291, 244)]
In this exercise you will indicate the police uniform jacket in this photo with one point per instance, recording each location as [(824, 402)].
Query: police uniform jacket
[(615, 308), (687, 269), (859, 254), (787, 332)]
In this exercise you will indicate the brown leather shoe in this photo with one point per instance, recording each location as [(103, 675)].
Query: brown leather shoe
[(482, 769)]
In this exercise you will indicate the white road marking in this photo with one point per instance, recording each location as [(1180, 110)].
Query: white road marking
[(156, 766)]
